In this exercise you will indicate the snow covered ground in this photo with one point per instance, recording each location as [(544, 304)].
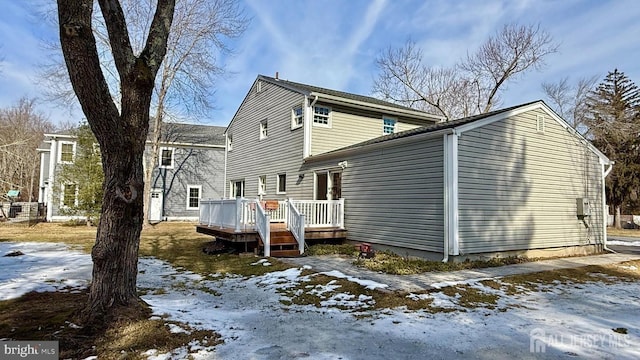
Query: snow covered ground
[(563, 321)]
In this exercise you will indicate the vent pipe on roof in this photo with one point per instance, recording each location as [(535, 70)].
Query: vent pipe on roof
[(277, 76)]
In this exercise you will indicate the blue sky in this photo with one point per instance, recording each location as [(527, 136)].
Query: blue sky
[(334, 43)]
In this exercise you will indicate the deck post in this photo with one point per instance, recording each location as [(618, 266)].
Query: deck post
[(239, 211)]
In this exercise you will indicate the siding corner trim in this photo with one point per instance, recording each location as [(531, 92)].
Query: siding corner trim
[(451, 240)]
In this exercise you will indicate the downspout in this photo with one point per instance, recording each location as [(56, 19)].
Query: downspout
[(314, 102), (605, 213)]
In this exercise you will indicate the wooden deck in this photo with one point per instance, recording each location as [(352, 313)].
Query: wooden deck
[(250, 235)]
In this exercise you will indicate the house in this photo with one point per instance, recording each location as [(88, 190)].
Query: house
[(190, 167), (514, 181)]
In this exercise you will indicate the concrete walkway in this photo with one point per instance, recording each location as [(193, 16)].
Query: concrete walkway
[(437, 279)]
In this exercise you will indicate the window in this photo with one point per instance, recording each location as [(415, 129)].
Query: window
[(193, 197), (297, 117), (388, 125), (69, 195), (282, 183), (262, 184), (237, 188), (321, 116), (166, 157), (540, 123), (229, 142), (67, 151), (263, 129)]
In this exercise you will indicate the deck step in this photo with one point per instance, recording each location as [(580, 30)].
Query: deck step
[(285, 253)]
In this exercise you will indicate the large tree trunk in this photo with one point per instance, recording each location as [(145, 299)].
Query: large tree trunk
[(121, 134), (617, 222)]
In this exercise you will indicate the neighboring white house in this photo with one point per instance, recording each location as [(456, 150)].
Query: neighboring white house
[(190, 167)]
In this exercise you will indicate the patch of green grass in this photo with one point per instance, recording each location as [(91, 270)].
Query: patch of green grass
[(329, 249), (392, 263), (470, 297)]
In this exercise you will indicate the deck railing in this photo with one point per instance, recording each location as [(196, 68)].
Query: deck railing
[(296, 224), (240, 214), (321, 213), (263, 227)]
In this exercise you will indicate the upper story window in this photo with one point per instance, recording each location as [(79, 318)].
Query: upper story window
[(67, 152), (229, 142), (388, 125), (263, 129), (297, 117), (166, 157), (322, 116)]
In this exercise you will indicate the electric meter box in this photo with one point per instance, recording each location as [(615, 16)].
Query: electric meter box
[(584, 208)]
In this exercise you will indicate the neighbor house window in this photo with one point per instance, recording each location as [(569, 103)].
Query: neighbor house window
[(540, 123), (282, 183), (262, 185), (297, 117), (388, 125), (263, 129), (166, 157), (194, 193), (69, 195), (321, 115), (67, 151)]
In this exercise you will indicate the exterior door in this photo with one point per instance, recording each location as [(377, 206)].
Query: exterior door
[(155, 206), (322, 184)]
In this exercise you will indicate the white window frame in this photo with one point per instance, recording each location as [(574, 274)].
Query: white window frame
[(327, 117), (75, 196), (264, 129), (297, 120), (233, 187), (173, 157), (385, 127), (229, 142), (540, 124), (262, 185), (73, 152), (189, 187), (279, 178)]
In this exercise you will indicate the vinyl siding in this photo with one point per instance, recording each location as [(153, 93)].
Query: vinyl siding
[(192, 166), (350, 126), (518, 187), (394, 196), (280, 152)]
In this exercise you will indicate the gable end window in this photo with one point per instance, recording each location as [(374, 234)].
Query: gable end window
[(67, 152), (540, 123), (194, 193), (297, 117), (282, 183), (166, 158), (263, 129), (388, 125), (229, 142), (322, 116)]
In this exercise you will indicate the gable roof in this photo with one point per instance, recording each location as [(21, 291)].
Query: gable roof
[(465, 124), (192, 134), (328, 94)]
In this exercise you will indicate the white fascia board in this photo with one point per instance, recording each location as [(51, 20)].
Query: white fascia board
[(387, 109), (193, 145)]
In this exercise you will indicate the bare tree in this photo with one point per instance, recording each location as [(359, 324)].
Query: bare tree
[(121, 132), (188, 75), (470, 87), (570, 101), (21, 130)]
